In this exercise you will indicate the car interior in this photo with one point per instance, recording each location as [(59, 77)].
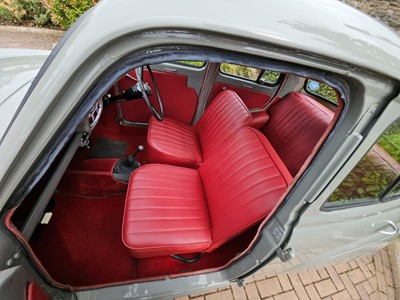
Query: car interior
[(180, 164)]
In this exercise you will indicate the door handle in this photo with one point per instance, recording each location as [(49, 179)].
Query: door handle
[(171, 71), (393, 227)]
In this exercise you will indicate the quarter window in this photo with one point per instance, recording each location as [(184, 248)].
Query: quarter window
[(261, 76), (376, 177), (321, 90), (270, 77)]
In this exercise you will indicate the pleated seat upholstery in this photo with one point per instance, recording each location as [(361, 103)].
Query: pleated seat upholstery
[(296, 124), (176, 143), (177, 210), (166, 211), (173, 142)]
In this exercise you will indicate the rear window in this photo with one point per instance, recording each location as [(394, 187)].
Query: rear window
[(260, 76)]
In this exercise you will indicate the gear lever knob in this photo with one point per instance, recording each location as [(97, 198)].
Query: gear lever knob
[(140, 148)]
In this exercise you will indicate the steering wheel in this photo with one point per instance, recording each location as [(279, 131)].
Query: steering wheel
[(146, 91)]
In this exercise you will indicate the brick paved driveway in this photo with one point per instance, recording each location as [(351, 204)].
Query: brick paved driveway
[(370, 277)]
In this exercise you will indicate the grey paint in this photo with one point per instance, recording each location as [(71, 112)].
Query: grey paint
[(313, 34), (17, 69)]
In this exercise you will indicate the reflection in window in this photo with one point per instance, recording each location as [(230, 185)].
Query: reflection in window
[(376, 176)]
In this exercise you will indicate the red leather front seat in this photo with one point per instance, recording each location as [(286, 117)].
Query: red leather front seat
[(176, 210), (176, 143)]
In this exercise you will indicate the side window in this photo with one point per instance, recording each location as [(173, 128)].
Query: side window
[(375, 178), (190, 63), (320, 89), (270, 77), (260, 76)]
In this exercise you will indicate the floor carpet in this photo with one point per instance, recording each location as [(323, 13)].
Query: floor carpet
[(82, 243)]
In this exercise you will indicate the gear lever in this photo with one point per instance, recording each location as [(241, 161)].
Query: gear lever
[(130, 161), (124, 167)]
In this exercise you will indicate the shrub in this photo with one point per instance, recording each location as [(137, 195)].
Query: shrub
[(25, 11), (7, 10), (5, 14), (65, 12), (34, 10)]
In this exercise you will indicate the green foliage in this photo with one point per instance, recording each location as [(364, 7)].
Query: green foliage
[(270, 76), (240, 71), (250, 73), (60, 13), (197, 64), (366, 181), (390, 140), (31, 11), (373, 173), (65, 12), (5, 14), (322, 90)]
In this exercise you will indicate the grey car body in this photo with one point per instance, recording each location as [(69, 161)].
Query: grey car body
[(325, 40)]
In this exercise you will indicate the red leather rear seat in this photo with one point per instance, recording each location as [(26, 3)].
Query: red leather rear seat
[(176, 143), (177, 210), (296, 124)]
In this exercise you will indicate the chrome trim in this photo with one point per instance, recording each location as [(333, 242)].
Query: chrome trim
[(394, 229)]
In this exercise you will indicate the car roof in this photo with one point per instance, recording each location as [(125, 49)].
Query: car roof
[(328, 28)]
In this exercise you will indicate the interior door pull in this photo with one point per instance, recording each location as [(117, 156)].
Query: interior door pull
[(171, 71), (393, 227)]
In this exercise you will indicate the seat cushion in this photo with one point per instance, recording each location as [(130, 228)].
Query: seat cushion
[(173, 142), (296, 124), (165, 212)]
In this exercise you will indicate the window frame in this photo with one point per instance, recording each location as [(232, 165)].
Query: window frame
[(185, 65), (319, 96), (384, 194), (256, 81)]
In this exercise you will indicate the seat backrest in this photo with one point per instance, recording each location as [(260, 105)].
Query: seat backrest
[(243, 181), (225, 114), (296, 124)]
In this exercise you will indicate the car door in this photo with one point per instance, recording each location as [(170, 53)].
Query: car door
[(359, 211)]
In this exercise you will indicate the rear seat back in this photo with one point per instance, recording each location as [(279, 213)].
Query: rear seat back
[(296, 124)]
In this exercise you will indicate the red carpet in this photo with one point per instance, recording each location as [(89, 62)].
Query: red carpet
[(91, 178), (156, 266), (82, 243)]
